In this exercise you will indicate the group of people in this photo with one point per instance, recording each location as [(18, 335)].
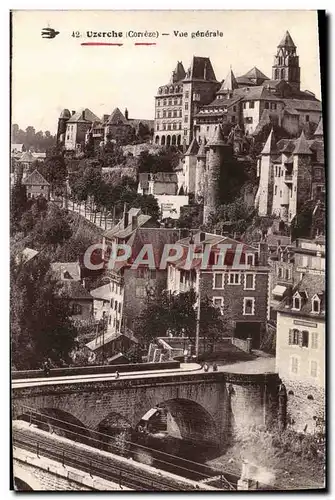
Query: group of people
[(206, 367)]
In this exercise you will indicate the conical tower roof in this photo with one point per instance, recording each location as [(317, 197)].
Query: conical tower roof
[(179, 73), (301, 146), (116, 117), (319, 129), (270, 145), (202, 151), (256, 74), (287, 41), (218, 138), (229, 83), (193, 148)]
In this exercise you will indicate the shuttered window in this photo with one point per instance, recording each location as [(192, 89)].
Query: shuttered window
[(304, 338)]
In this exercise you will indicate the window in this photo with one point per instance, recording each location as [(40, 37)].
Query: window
[(315, 305), (304, 338), (218, 281), (218, 302), (112, 303), (77, 309), (186, 106), (158, 102), (233, 119), (249, 306), (157, 126), (251, 104), (152, 274), (294, 365), (185, 118), (169, 126), (314, 369), (164, 113), (187, 95), (249, 119), (119, 308), (234, 108), (281, 193), (140, 273), (185, 131), (169, 114), (314, 342), (275, 189), (175, 114), (249, 282), (115, 305), (266, 105), (296, 303), (307, 118), (170, 102), (250, 259), (164, 126), (234, 278), (294, 336), (244, 105), (288, 274), (280, 272)]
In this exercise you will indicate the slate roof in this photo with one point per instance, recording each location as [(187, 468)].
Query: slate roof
[(117, 117), (35, 179), (256, 74), (202, 151), (302, 146), (84, 115), (66, 270), (270, 145), (229, 83), (287, 41), (75, 290), (309, 286), (218, 138), (303, 104), (157, 237), (200, 69), (319, 129), (65, 114), (27, 157), (179, 73), (119, 231), (193, 148)]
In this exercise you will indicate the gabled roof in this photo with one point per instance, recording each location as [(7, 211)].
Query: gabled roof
[(84, 115), (270, 145), (66, 270), (119, 231), (218, 138), (287, 41), (102, 292), (256, 74), (303, 104), (35, 179), (302, 147), (27, 157), (201, 69), (158, 237), (229, 83), (193, 148), (309, 286), (117, 117), (319, 129)]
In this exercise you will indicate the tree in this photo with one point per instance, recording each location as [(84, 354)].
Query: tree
[(231, 217), (40, 318), (165, 161), (55, 170), (53, 229), (176, 314), (18, 205)]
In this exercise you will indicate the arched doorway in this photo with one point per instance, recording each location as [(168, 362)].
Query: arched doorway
[(157, 139), (168, 140), (163, 140), (179, 140), (174, 141)]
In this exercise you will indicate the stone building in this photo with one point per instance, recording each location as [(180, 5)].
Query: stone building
[(300, 351), (290, 171), (192, 104), (78, 129), (240, 293), (36, 185)]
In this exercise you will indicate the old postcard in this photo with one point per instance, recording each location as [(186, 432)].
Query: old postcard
[(167, 225)]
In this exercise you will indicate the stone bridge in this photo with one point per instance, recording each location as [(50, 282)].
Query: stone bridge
[(203, 407)]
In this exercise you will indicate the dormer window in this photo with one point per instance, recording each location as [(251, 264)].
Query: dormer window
[(315, 304), (297, 302), (250, 259)]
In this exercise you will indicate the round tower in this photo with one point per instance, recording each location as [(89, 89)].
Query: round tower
[(215, 159), (62, 120), (200, 172)]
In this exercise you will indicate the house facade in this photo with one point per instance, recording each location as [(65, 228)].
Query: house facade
[(36, 185), (300, 351)]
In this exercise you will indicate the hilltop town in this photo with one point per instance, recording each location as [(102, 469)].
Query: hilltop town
[(235, 164)]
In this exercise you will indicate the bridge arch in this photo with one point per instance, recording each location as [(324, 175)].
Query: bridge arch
[(189, 420), (55, 420), (23, 481)]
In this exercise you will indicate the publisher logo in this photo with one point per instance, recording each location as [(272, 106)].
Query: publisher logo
[(49, 33)]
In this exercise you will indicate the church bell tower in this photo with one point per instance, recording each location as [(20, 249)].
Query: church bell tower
[(286, 64)]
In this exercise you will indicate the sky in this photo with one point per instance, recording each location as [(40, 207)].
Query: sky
[(49, 75)]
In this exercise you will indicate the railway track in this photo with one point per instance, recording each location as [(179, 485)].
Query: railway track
[(101, 467)]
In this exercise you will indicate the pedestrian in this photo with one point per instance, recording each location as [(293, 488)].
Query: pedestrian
[(206, 367), (117, 375), (46, 368), (215, 367)]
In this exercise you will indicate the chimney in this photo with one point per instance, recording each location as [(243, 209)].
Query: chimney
[(83, 115), (73, 112), (134, 222), (263, 254), (126, 114), (125, 219)]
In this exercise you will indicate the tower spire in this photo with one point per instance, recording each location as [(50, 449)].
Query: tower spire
[(286, 63)]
